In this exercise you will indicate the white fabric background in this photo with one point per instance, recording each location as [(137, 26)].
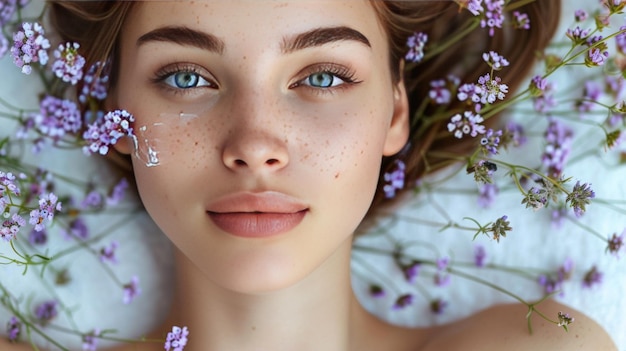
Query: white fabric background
[(533, 243)]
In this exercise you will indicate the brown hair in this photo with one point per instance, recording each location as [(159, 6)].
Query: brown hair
[(97, 24)]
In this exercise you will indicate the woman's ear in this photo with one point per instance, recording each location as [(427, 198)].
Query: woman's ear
[(125, 145), (398, 132)]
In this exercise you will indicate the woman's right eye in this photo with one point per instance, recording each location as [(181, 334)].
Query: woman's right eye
[(186, 80)]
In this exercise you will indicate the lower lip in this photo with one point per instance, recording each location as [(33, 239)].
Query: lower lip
[(256, 225)]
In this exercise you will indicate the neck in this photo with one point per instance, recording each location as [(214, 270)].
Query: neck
[(313, 314)]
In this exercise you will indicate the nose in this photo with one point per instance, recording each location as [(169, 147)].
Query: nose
[(253, 149), (254, 141)]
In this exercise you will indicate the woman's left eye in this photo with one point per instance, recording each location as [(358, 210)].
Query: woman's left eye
[(323, 80), (185, 80)]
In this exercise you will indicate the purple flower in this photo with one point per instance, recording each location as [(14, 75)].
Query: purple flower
[(106, 133), (489, 89), (416, 44), (554, 283), (579, 197), (48, 205), (495, 60), (596, 57), (394, 179), (480, 254), (46, 311), (7, 185), (620, 40), (38, 237), (580, 15), (439, 92), (558, 215), (564, 320), (376, 291), (411, 271), (483, 171), (487, 194), (490, 141), (14, 328), (538, 85), (93, 199), (493, 15), (403, 301), (90, 341), (578, 35), (615, 243), (131, 290), (176, 339), (118, 192), (95, 83), (107, 253), (500, 228), (559, 143), (466, 124), (592, 277), (29, 46), (521, 20), (438, 306), (591, 93), (68, 64), (10, 227), (544, 101), (77, 230), (473, 6), (57, 117)]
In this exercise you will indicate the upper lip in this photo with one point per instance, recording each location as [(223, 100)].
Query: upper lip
[(266, 201)]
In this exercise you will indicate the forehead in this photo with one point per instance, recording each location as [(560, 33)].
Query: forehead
[(260, 24)]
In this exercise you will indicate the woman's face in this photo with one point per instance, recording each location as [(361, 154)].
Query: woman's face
[(269, 120)]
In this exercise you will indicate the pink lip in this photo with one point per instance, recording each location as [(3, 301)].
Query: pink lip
[(256, 215)]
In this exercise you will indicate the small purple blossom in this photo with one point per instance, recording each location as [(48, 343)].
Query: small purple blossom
[(564, 320), (376, 291), (68, 64), (578, 35), (48, 205), (500, 228), (90, 340), (118, 192), (538, 85), (14, 329), (487, 194), (480, 255), (559, 139), (95, 83), (521, 20), (107, 253), (543, 95), (10, 227), (29, 46), (615, 243), (394, 179), (483, 171), (592, 277), (558, 215), (46, 311), (77, 230), (473, 6), (438, 306), (38, 237), (439, 92), (490, 89), (591, 93), (57, 117), (92, 200), (490, 141), (596, 57), (403, 301), (411, 271), (101, 136), (466, 124), (131, 290), (493, 15), (579, 197), (495, 60), (620, 40), (553, 283), (176, 339), (416, 44), (580, 15)]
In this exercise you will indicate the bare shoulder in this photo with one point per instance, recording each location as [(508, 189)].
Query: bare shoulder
[(504, 327)]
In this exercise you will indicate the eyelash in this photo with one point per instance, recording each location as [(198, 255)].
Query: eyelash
[(168, 71), (346, 74)]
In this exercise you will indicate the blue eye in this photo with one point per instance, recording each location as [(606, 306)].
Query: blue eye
[(185, 80), (323, 80)]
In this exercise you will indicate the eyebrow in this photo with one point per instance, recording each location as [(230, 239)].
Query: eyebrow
[(190, 37), (184, 36), (321, 36)]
